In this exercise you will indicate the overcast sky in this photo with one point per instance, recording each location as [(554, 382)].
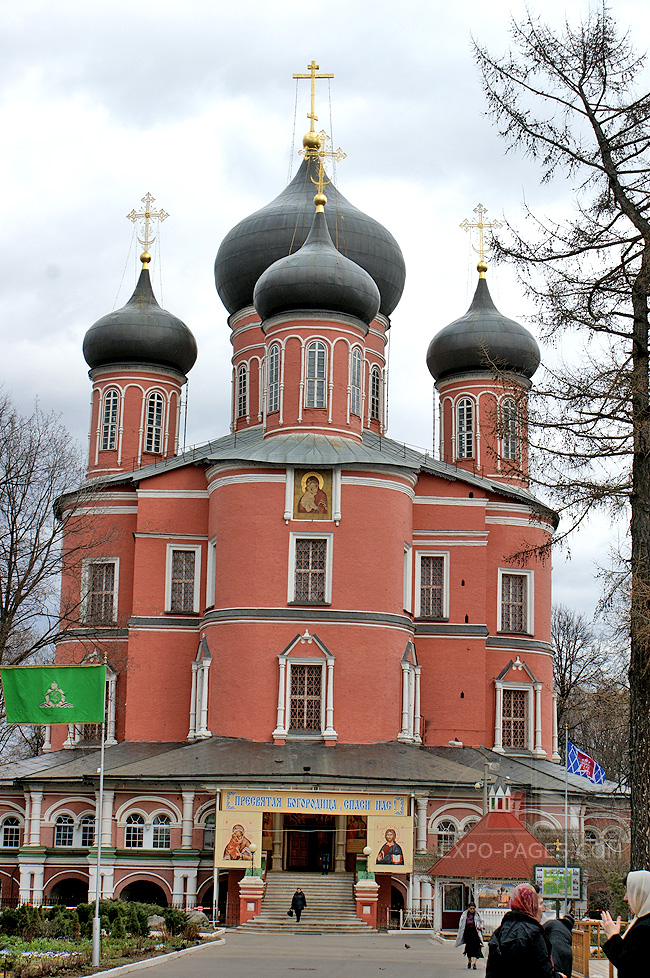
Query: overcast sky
[(194, 102)]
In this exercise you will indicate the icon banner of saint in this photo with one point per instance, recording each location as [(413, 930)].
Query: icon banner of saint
[(234, 835), (312, 495), (391, 841)]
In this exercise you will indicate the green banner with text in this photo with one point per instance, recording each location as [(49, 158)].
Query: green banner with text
[(54, 694)]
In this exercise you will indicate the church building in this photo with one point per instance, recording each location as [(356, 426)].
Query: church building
[(319, 642)]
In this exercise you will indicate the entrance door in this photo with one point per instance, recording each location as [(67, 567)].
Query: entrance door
[(307, 838), (456, 897)]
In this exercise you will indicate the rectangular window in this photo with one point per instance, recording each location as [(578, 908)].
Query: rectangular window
[(316, 370), (515, 718), (64, 831), (99, 591), (514, 603), (161, 832), (305, 701), (311, 562), (109, 421), (134, 832), (11, 833), (182, 584), (274, 378), (431, 585), (88, 832), (375, 395), (154, 427)]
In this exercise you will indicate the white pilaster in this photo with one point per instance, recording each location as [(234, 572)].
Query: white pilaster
[(192, 731), (555, 746), (539, 750), (404, 732), (421, 838), (417, 721), (35, 819), (339, 843), (330, 732), (188, 820), (498, 720), (280, 729)]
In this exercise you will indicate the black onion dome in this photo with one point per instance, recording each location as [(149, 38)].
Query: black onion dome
[(281, 227), (317, 276), (482, 339), (141, 332)]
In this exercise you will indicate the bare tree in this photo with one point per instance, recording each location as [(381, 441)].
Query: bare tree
[(567, 99)]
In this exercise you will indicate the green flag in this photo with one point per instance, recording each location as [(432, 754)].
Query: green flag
[(54, 694)]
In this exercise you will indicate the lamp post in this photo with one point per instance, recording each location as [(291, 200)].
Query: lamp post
[(253, 849), (366, 851)]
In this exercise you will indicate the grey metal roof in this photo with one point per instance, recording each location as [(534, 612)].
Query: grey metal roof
[(222, 761)]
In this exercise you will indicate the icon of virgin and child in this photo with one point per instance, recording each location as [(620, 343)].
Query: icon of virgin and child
[(311, 496), (390, 853), (238, 846)]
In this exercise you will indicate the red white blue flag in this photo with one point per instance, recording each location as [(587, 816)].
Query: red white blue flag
[(577, 762)]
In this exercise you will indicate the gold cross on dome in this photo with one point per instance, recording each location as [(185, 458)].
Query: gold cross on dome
[(480, 224), (147, 215), (313, 68), (326, 151)]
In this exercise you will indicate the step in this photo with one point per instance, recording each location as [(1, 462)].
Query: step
[(331, 907)]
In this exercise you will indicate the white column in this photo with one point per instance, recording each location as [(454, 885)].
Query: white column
[(404, 732), (417, 720), (411, 718), (278, 820), (203, 726), (415, 892), (498, 721), (421, 838), (25, 884), (539, 750), (35, 820), (178, 892), (107, 819), (39, 873), (330, 732), (188, 820), (192, 731), (190, 893), (437, 905), (280, 729), (339, 843), (425, 895), (555, 746)]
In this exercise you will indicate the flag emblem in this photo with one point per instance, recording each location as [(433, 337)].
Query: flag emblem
[(55, 699), (578, 762)]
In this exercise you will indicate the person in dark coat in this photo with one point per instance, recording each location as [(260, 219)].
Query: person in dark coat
[(559, 934), (298, 903), (469, 934), (630, 952), (518, 946)]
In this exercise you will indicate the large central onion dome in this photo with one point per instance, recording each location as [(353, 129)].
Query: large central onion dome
[(317, 276), (280, 228), (483, 339), (141, 332)]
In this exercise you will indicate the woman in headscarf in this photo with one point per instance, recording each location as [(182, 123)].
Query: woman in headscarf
[(630, 952), (469, 934), (518, 946)]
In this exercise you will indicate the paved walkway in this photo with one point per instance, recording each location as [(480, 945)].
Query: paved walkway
[(294, 955)]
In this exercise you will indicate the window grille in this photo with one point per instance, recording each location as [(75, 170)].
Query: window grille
[(63, 831), (513, 602), (515, 718), (88, 831), (316, 375), (100, 603), (355, 381), (311, 562), (375, 395), (182, 583), (161, 832), (109, 421), (465, 428), (274, 378), (446, 836), (306, 683), (242, 391), (153, 431), (432, 579), (11, 832), (134, 832), (509, 429)]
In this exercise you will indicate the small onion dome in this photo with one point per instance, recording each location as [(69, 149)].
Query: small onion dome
[(317, 276), (281, 227), (483, 339), (141, 332)]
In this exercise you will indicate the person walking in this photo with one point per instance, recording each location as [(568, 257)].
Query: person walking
[(559, 934), (470, 929), (518, 945), (298, 903), (630, 952)]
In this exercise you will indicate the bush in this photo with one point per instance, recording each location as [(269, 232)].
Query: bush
[(175, 921)]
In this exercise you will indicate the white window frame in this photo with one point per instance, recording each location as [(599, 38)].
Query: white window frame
[(153, 432), (86, 564), (316, 383), (466, 432), (141, 828), (17, 827), (200, 693), (211, 574), (67, 821), (273, 395), (110, 425), (291, 589), (209, 826), (527, 688), (530, 598), (161, 830), (196, 549), (419, 554), (242, 391), (375, 399), (86, 819), (509, 430), (407, 585), (326, 660), (446, 820), (356, 373)]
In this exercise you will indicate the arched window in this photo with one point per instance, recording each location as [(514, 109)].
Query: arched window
[(316, 375), (11, 832), (355, 381), (375, 394), (154, 426), (208, 831), (590, 840), (64, 831), (161, 832), (613, 842), (134, 832), (88, 831), (274, 378), (242, 391), (465, 428), (446, 836), (509, 446), (109, 419)]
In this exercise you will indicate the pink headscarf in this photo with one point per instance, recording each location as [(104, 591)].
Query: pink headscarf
[(526, 899)]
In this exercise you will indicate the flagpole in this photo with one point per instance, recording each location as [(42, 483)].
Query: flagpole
[(98, 839), (566, 812)]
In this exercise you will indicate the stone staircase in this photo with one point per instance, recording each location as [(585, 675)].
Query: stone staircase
[(331, 907)]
